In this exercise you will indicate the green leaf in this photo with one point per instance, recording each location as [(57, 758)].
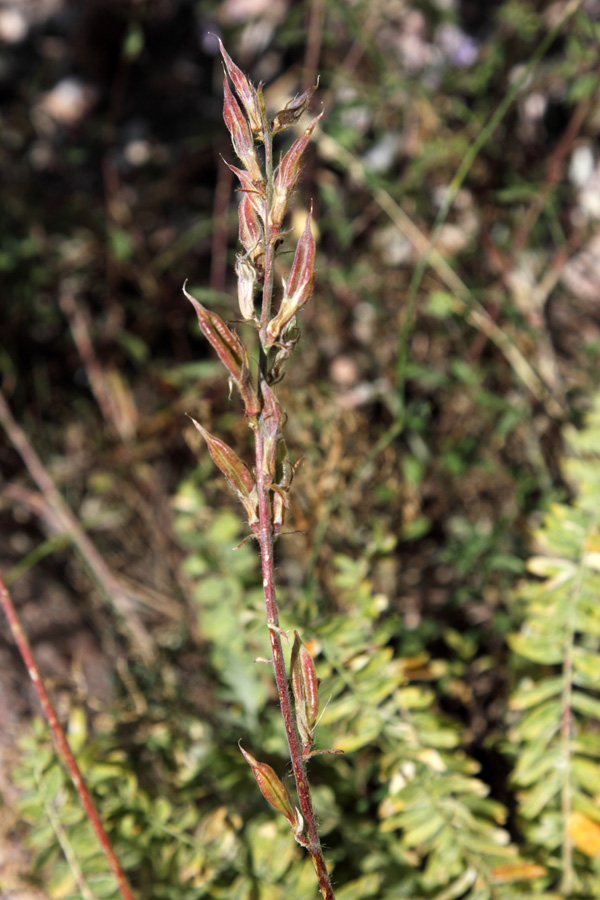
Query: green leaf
[(540, 796), (540, 648), (583, 703), (530, 694), (366, 886), (51, 783), (441, 305), (587, 666), (424, 832), (587, 774), (541, 723), (534, 763), (120, 244)]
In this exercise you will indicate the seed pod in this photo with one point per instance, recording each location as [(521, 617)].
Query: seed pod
[(251, 233), (254, 189), (271, 787), (230, 351), (270, 425), (286, 344), (241, 137), (302, 273), (284, 475), (246, 274), (245, 91), (305, 687), (237, 474), (287, 172), (298, 290), (292, 110)]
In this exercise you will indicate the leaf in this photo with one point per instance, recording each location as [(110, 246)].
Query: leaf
[(77, 733), (540, 723), (424, 832), (539, 648), (536, 764), (583, 703), (587, 665), (585, 834), (365, 731), (587, 774), (360, 888), (535, 800), (458, 887), (51, 783), (517, 871), (530, 694)]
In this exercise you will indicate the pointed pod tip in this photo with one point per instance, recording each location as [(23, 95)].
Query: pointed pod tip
[(202, 430), (192, 300)]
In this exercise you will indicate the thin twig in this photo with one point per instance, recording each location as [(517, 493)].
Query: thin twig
[(79, 323), (62, 745), (122, 600)]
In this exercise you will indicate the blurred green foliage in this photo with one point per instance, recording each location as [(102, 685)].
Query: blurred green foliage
[(446, 575)]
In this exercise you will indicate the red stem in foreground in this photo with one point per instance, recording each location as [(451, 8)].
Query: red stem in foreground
[(62, 746), (265, 539)]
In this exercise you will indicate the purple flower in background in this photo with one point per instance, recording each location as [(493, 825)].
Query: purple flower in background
[(459, 48)]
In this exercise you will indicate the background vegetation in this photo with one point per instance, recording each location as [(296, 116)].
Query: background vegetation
[(444, 563)]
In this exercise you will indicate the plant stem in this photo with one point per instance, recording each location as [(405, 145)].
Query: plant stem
[(62, 745), (265, 539)]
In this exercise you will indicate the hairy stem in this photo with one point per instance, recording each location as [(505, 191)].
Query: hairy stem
[(265, 539), (62, 745)]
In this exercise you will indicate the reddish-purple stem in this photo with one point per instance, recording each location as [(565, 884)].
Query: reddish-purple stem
[(265, 539), (62, 746)]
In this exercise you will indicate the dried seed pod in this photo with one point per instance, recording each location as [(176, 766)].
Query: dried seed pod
[(287, 172), (272, 788), (251, 233), (246, 91), (237, 474), (284, 475), (246, 274), (230, 351), (292, 110), (255, 190), (270, 425), (299, 288), (241, 136), (305, 687), (285, 347)]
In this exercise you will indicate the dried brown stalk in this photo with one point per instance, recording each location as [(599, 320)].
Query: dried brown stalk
[(66, 521)]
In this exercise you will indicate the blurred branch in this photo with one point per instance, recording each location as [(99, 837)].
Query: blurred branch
[(553, 173), (122, 600), (62, 745), (78, 320)]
